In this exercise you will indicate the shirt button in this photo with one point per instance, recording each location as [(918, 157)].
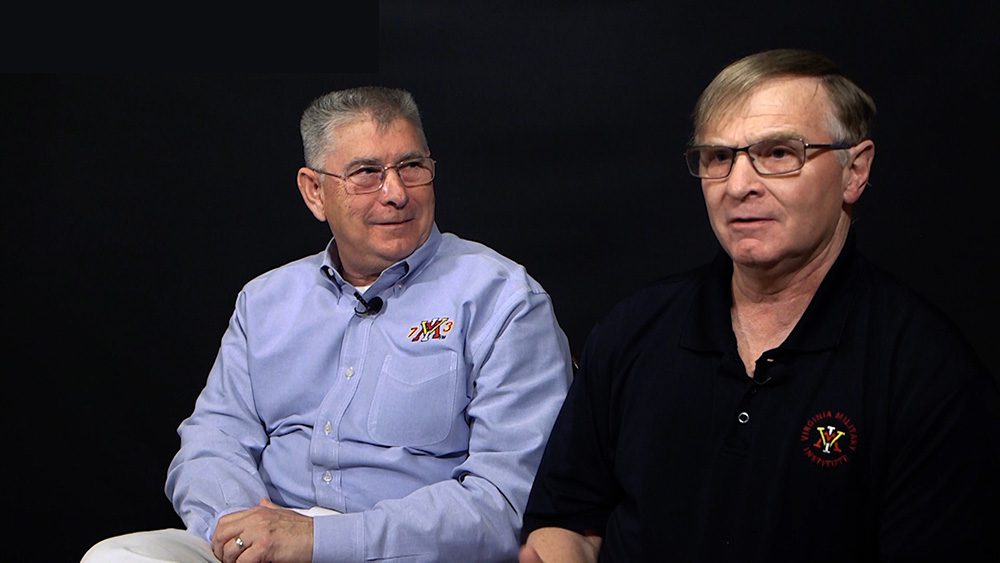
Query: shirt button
[(349, 372), (327, 428), (327, 477), (744, 417)]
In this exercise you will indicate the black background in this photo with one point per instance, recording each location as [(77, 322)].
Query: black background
[(137, 204)]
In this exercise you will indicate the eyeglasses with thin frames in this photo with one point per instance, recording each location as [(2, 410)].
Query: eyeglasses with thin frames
[(769, 157), (368, 178)]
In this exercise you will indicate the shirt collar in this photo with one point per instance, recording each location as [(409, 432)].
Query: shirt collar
[(709, 322), (395, 273)]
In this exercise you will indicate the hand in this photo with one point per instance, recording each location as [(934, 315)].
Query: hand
[(558, 545), (267, 531)]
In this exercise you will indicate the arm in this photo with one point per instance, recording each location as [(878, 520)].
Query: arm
[(575, 489), (558, 545), (941, 487), (215, 470)]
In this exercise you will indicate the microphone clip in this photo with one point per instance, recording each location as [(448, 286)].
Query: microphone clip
[(365, 308)]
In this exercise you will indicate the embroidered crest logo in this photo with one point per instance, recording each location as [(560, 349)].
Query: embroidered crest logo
[(829, 439), (434, 329)]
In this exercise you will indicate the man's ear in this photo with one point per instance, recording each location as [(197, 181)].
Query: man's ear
[(858, 169), (312, 192)]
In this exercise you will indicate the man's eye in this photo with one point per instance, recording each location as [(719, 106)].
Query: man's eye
[(775, 150), (364, 171), (779, 152), (719, 155)]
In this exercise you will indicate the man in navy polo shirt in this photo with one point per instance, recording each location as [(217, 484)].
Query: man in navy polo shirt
[(788, 401)]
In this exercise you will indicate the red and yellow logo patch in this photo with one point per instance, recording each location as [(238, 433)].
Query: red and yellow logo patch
[(434, 329), (829, 439)]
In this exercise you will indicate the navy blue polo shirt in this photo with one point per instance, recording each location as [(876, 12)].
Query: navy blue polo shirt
[(871, 433)]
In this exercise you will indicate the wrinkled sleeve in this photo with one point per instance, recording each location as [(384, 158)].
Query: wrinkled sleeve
[(522, 370), (215, 470)]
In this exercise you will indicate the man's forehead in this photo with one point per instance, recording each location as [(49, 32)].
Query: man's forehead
[(777, 108), (366, 140)]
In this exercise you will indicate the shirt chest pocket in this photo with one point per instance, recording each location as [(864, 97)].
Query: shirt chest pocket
[(414, 402)]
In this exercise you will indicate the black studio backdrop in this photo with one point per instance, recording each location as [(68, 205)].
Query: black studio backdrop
[(136, 205)]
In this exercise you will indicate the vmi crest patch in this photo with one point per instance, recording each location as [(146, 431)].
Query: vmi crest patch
[(434, 329), (829, 439)]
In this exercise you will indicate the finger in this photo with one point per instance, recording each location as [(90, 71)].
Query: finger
[(225, 535), (266, 503), (218, 548), (226, 530), (219, 543), (232, 550)]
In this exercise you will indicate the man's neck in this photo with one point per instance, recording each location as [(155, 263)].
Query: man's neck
[(768, 303)]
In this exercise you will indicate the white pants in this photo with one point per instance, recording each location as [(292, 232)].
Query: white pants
[(169, 544)]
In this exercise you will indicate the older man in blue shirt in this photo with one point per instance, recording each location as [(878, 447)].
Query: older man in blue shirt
[(386, 398)]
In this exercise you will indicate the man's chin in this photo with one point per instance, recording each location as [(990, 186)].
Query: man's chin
[(396, 244), (752, 254), (394, 251)]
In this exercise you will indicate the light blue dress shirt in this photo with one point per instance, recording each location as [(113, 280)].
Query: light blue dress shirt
[(423, 423)]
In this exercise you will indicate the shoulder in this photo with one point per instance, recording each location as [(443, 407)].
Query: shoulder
[(895, 304), (665, 297), (478, 264), (652, 315), (295, 275), (915, 339)]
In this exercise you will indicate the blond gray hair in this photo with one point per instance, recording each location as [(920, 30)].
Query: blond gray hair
[(853, 109)]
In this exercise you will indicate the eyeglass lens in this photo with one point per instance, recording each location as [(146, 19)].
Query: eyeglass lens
[(415, 172), (771, 156)]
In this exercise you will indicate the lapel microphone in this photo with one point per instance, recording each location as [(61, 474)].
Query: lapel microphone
[(365, 308)]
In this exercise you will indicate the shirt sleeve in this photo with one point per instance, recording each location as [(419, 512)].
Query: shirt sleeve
[(522, 371), (575, 487), (215, 470), (941, 488)]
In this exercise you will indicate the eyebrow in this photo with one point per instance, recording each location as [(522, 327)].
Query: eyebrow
[(780, 137), (368, 160), (776, 137)]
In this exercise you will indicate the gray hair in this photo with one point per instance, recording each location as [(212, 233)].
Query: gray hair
[(343, 107), (853, 109)]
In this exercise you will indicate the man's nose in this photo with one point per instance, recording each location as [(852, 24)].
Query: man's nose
[(392, 189), (743, 177)]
